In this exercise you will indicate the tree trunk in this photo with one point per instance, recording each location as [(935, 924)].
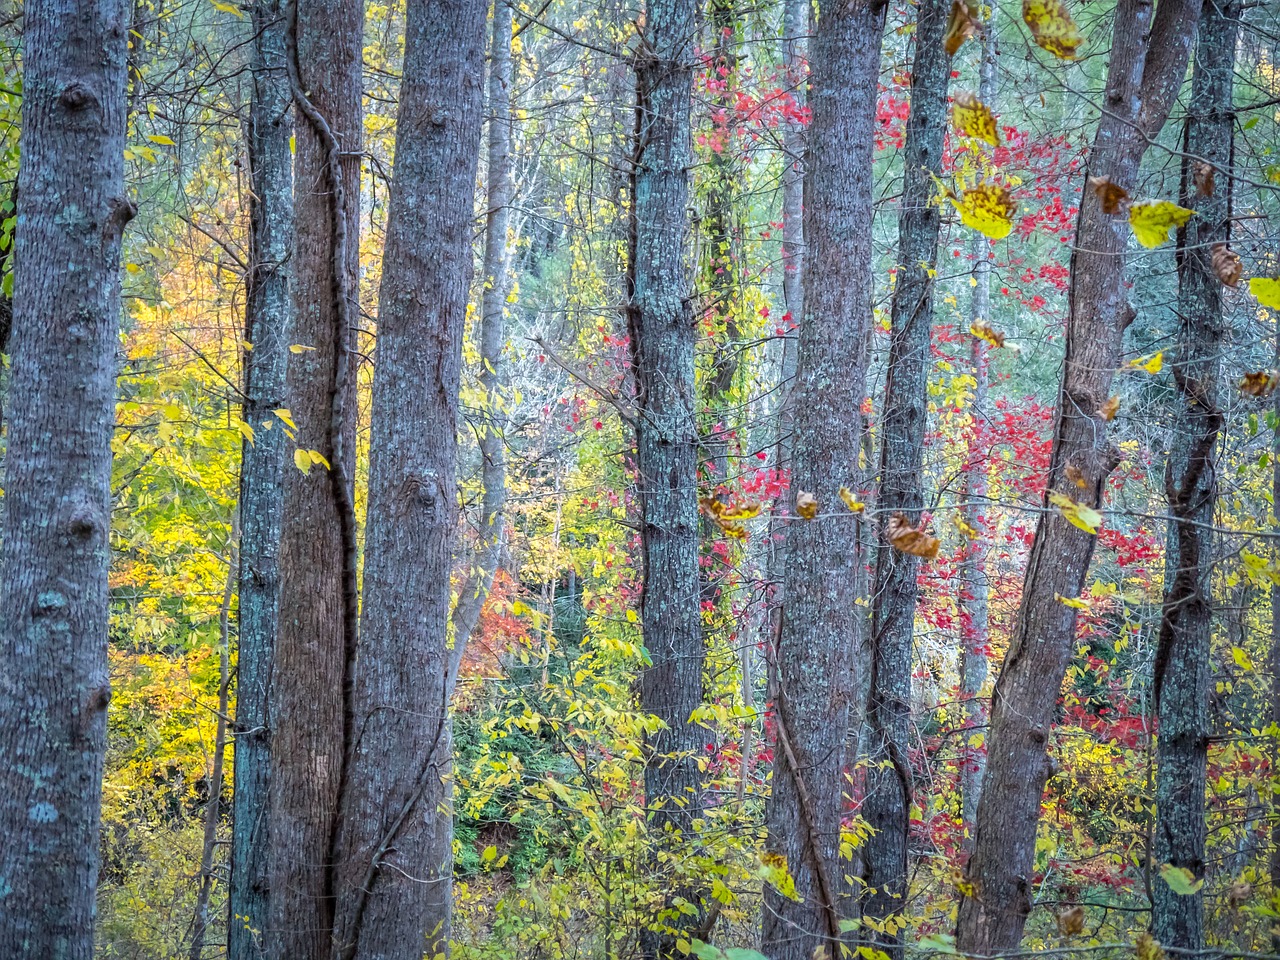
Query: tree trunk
[(973, 574), (54, 685), (1181, 682), (395, 868), (814, 645), (317, 564), (663, 337), (493, 338), (1144, 77), (887, 806), (268, 323)]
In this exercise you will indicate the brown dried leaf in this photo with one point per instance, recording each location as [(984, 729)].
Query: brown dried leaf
[(1260, 384), (729, 518), (960, 27), (984, 331), (1226, 264), (1204, 177), (806, 505), (1075, 475), (904, 537), (1240, 892), (1071, 922), (1111, 195)]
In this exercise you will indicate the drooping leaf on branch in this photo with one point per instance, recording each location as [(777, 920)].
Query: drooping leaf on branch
[(987, 208), (1111, 195), (1226, 264), (973, 118), (1076, 514), (961, 25), (904, 537), (1205, 180), (987, 333), (1109, 409), (729, 518), (1153, 219), (849, 500), (806, 505), (1052, 27)]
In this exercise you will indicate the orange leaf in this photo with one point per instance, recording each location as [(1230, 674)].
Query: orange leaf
[(908, 539)]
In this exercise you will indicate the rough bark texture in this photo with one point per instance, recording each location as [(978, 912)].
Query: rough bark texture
[(308, 727), (973, 576), (395, 867), (493, 338), (1181, 679), (814, 647), (1148, 60), (54, 686), (268, 325), (888, 798), (662, 342)]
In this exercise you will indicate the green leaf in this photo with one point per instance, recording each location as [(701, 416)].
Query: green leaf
[(1180, 880)]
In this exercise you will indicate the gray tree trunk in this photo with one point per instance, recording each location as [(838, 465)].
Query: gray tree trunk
[(54, 686), (493, 338), (814, 655), (268, 326), (1148, 60), (1181, 681), (662, 343), (396, 861), (973, 574), (309, 683), (888, 799)]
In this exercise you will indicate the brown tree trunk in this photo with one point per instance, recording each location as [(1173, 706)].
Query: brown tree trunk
[(1148, 60), (54, 686), (813, 659), (396, 844), (316, 621), (1181, 682), (493, 338), (887, 806), (268, 324), (662, 343)]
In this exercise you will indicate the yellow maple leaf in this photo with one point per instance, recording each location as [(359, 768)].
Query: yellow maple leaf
[(1153, 219), (1052, 27), (973, 118), (987, 208), (1266, 290), (1076, 514)]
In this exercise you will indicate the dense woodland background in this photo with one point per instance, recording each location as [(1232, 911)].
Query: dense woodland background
[(639, 478)]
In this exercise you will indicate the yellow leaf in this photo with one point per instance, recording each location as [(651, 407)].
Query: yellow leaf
[(1072, 602), (161, 139), (1152, 220), (806, 505), (490, 853), (973, 118), (849, 500), (1267, 291), (1077, 514), (284, 414), (302, 460), (984, 331), (987, 208), (1052, 27), (299, 348), (226, 8), (967, 529), (246, 431), (318, 457), (1152, 364)]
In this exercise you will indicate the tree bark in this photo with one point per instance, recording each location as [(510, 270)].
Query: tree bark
[(1181, 681), (973, 575), (663, 338), (395, 866), (493, 338), (54, 685), (316, 636), (887, 806), (814, 645), (1148, 60), (268, 325)]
